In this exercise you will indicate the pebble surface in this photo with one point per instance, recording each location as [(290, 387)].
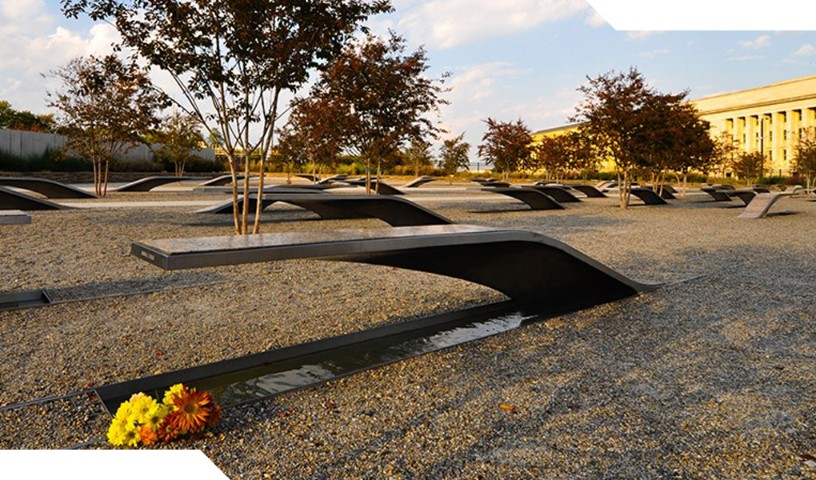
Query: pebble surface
[(711, 376)]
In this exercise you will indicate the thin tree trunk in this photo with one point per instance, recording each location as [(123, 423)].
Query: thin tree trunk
[(105, 180)]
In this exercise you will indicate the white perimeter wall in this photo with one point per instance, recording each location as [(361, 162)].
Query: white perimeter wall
[(28, 144)]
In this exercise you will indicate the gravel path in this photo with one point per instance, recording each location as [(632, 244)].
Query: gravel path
[(711, 376)]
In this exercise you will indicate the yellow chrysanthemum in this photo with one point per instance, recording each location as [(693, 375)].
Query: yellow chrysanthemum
[(121, 431), (124, 410), (130, 436), (172, 393), (140, 407), (155, 415)]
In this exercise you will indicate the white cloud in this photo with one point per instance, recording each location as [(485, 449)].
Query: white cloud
[(806, 50), (451, 23), (595, 19), (654, 53), (477, 82), (642, 34), (34, 44), (759, 42)]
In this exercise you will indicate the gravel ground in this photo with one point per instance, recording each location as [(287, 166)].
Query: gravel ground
[(711, 376)]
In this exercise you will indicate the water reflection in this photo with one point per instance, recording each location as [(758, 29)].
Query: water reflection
[(263, 381)]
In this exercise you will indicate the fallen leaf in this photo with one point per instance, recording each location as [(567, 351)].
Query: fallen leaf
[(506, 407)]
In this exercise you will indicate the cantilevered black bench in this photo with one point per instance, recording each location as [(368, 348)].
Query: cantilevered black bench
[(417, 182), (647, 195), (381, 187), (589, 191), (535, 199), (335, 178), (745, 195), (718, 194), (49, 188), (11, 200), (308, 176), (666, 193), (761, 203), (559, 194), (529, 268), (392, 210), (149, 183), (223, 180)]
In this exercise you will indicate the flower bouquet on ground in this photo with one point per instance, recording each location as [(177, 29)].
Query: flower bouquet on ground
[(143, 420)]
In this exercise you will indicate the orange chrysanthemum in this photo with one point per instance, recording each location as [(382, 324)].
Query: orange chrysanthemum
[(147, 435), (193, 408), (168, 430), (215, 415)]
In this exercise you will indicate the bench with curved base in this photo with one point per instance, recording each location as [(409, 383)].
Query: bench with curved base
[(718, 194), (49, 188), (417, 182), (379, 186), (392, 210), (11, 200), (148, 183), (648, 196), (589, 191), (762, 202), (527, 267), (223, 180), (745, 195), (559, 194), (535, 199)]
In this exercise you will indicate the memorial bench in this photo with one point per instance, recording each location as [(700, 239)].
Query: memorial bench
[(589, 191), (149, 183), (224, 180), (535, 199), (376, 185), (527, 267), (417, 182), (647, 196), (43, 186), (761, 203), (559, 194), (9, 199), (392, 210), (718, 194)]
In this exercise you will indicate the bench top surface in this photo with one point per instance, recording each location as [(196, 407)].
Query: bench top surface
[(175, 246)]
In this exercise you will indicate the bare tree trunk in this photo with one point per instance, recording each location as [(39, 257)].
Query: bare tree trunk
[(236, 223), (97, 183), (105, 182), (245, 210)]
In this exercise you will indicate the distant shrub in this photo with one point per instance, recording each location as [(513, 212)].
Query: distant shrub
[(51, 160)]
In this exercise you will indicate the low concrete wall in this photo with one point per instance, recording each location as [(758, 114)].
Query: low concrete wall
[(30, 144), (87, 177)]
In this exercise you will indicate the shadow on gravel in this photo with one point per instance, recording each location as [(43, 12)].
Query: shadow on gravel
[(133, 287)]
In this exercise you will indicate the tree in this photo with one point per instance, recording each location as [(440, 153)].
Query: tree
[(454, 155), (382, 96), (804, 157), (749, 166), (418, 154), (611, 116), (178, 138), (674, 139), (105, 106), (725, 151), (232, 59), (506, 145), (551, 155), (12, 119), (313, 133)]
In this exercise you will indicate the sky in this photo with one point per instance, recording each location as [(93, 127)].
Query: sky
[(508, 60)]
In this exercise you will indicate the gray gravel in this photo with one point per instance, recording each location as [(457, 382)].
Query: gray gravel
[(711, 376)]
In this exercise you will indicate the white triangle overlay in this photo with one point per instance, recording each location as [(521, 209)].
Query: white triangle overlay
[(108, 464), (645, 15)]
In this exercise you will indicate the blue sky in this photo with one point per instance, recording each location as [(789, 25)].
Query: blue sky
[(511, 59)]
